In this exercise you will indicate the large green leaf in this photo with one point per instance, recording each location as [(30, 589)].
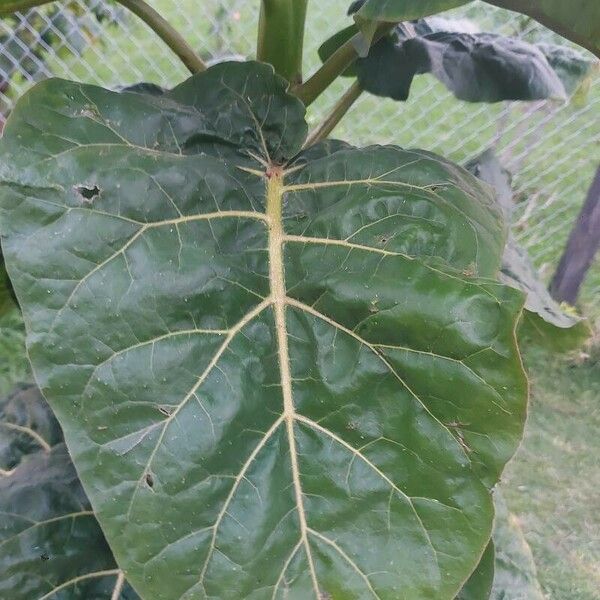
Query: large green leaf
[(277, 371), (545, 322), (51, 545)]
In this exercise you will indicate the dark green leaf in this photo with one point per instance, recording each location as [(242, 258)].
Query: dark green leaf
[(387, 71), (515, 575), (50, 543), (479, 585), (485, 67), (6, 293), (576, 20), (329, 46), (572, 67), (27, 425), (545, 322), (277, 371), (476, 67)]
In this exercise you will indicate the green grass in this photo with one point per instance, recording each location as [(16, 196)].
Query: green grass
[(553, 482)]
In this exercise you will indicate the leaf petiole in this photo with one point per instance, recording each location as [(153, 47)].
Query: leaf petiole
[(341, 107)]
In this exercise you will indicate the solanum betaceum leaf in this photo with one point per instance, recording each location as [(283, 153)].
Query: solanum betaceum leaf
[(545, 322), (476, 67), (279, 372), (51, 546), (27, 425)]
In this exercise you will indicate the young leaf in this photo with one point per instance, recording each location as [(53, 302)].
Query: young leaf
[(277, 371)]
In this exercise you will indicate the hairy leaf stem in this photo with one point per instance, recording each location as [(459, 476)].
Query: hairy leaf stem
[(335, 65)]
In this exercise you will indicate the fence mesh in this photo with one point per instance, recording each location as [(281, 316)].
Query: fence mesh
[(552, 149)]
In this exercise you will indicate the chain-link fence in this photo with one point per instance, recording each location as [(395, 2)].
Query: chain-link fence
[(552, 149)]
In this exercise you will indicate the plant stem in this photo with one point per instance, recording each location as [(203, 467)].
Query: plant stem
[(281, 36), (334, 66), (340, 108), (170, 36)]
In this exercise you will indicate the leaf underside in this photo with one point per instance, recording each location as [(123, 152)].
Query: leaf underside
[(576, 20), (279, 372), (475, 67)]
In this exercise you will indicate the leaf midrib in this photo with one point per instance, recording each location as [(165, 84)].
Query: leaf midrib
[(279, 297)]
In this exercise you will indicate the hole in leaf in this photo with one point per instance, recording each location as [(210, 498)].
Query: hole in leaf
[(88, 192), (149, 480)]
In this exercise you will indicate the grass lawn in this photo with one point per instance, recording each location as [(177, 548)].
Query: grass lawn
[(553, 482)]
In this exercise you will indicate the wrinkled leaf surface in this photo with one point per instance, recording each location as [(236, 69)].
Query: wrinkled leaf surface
[(277, 371)]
